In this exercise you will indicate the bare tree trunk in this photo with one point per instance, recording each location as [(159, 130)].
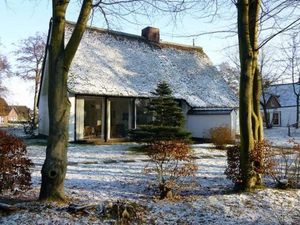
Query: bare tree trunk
[(55, 165), (60, 58), (250, 88)]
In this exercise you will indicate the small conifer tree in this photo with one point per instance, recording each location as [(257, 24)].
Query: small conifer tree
[(166, 110), (168, 118)]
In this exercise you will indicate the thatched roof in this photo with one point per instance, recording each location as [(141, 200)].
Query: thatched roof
[(110, 63)]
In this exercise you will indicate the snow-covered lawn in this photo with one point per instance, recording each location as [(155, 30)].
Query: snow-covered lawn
[(278, 136), (107, 173)]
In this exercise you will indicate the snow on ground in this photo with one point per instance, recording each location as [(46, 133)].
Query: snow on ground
[(278, 136), (104, 173)]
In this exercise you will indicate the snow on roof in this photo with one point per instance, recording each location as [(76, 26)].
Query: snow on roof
[(284, 93), (117, 64)]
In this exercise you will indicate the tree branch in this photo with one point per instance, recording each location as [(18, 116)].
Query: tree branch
[(77, 34)]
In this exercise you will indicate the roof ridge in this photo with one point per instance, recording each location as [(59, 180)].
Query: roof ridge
[(141, 38)]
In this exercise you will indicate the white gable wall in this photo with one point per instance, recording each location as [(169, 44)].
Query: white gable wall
[(43, 116)]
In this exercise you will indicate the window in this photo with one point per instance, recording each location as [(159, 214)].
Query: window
[(120, 121), (276, 118), (92, 117)]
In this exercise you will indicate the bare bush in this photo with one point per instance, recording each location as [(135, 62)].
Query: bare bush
[(220, 136), (170, 161), (286, 173)]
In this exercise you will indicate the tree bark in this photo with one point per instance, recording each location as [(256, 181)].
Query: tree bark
[(55, 165), (250, 89)]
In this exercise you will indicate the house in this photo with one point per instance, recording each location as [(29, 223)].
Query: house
[(4, 110), (113, 74), (281, 103), (18, 113)]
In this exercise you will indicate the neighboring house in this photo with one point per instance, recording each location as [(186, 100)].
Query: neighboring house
[(4, 110), (113, 74), (18, 113), (281, 104)]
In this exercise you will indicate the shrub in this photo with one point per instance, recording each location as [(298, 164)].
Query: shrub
[(286, 172), (220, 136), (170, 161), (261, 158), (150, 133), (14, 164)]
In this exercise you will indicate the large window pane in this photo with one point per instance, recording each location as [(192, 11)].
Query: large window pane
[(92, 118), (119, 117)]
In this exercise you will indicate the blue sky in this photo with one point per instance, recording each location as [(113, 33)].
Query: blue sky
[(21, 19)]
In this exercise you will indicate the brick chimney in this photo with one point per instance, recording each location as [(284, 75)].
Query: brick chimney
[(151, 34)]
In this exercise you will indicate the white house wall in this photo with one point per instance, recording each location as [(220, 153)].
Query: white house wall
[(43, 103), (235, 122), (199, 125), (79, 118), (43, 116), (72, 118)]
